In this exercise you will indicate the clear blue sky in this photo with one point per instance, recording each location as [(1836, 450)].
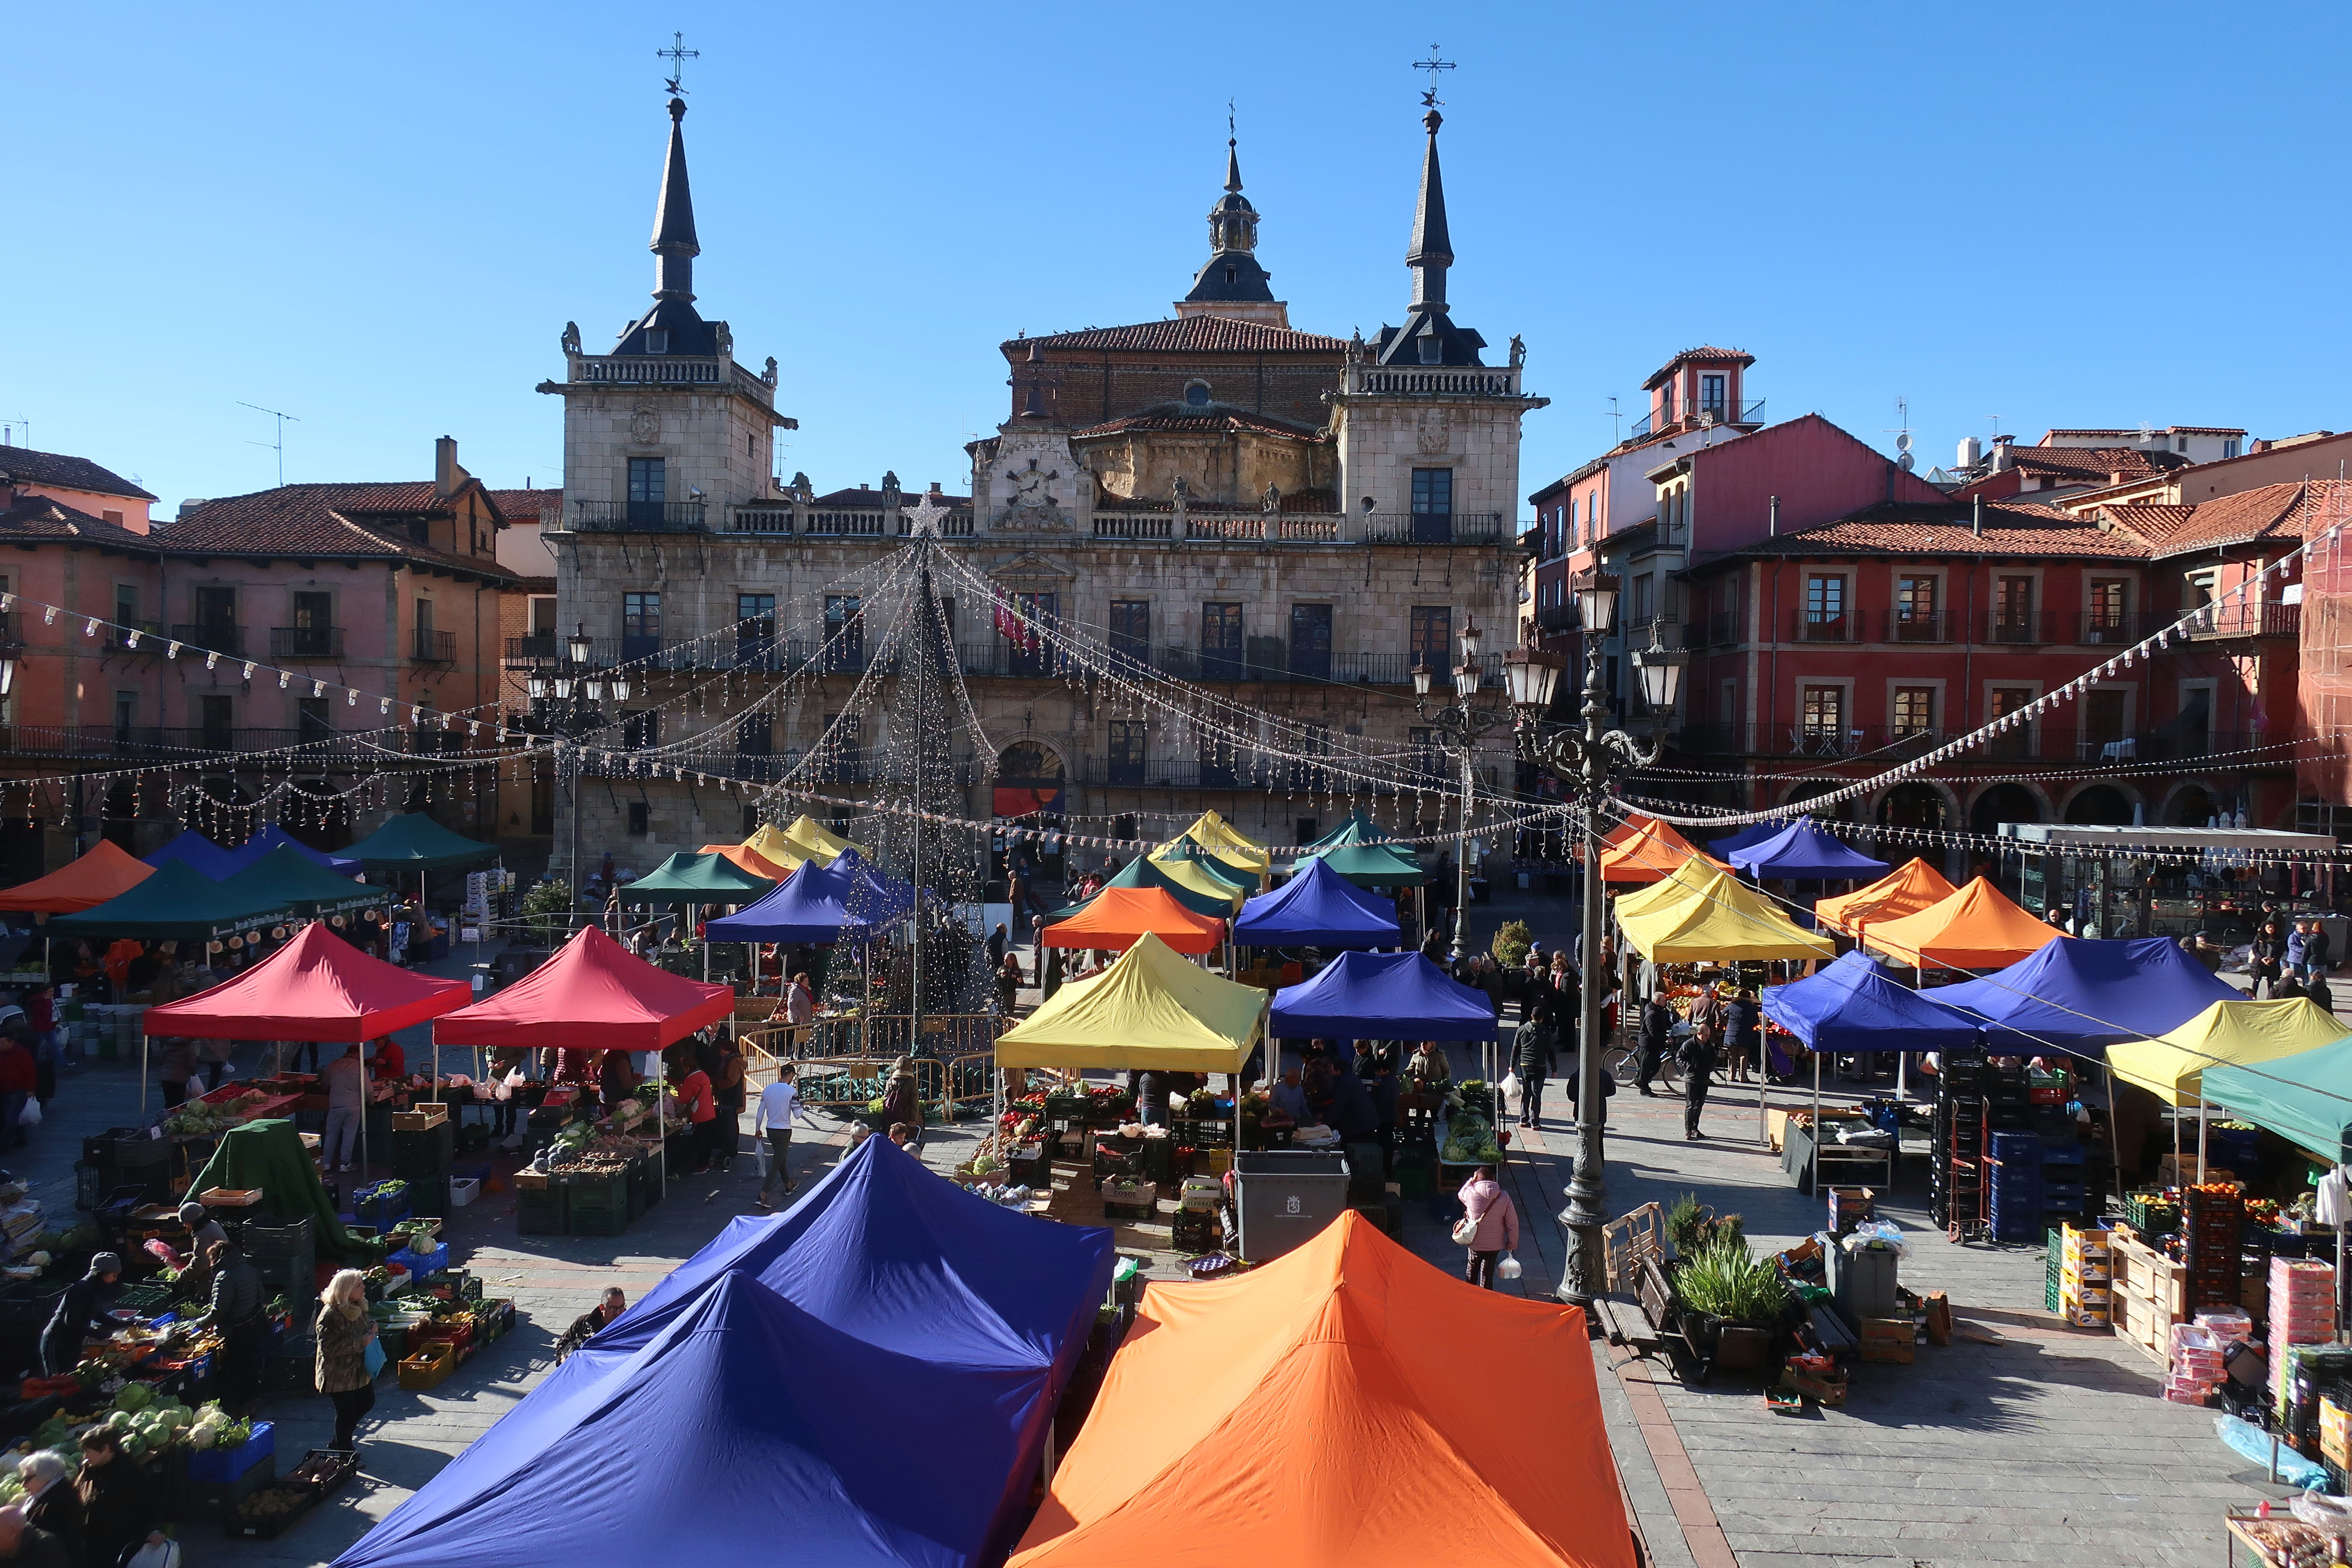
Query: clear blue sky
[(380, 220)]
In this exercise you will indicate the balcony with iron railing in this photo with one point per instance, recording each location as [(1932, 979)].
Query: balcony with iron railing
[(1435, 527), (2024, 628), (2111, 628), (637, 516), (308, 642), (997, 657), (1559, 619), (1752, 412), (1822, 626), (435, 647), (2050, 743), (2238, 618), (11, 629), (1916, 626), (212, 637)]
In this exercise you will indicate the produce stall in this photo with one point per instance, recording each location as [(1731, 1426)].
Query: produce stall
[(106, 871), (1317, 907)]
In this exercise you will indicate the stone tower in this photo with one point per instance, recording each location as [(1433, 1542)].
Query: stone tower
[(1232, 284), (1428, 432)]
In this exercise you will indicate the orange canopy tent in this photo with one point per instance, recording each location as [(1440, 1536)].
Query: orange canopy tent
[(1313, 1413), (1113, 919), (107, 871), (1909, 888), (1649, 853), (1975, 928), (749, 860)]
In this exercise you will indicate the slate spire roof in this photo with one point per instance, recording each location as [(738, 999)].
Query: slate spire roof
[(1232, 273), (1429, 335), (674, 242)]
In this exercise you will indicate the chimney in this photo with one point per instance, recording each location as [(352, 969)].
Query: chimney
[(1975, 524), (1772, 519), (2002, 456), (446, 474)]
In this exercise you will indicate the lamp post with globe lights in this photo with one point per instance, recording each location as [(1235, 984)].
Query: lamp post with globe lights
[(567, 704), (1587, 758), (1460, 724)]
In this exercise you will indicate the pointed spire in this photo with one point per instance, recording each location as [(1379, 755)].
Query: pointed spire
[(1433, 248), (1232, 165), (674, 246)]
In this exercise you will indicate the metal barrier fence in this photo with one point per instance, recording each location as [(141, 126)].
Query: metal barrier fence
[(959, 1061)]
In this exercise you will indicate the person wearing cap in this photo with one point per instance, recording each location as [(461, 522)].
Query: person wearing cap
[(195, 1269), (81, 1310)]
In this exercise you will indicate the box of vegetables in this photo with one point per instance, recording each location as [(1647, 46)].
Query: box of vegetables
[(147, 1427)]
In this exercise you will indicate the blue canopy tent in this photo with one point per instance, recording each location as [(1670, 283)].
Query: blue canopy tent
[(1741, 838), (818, 905), (1802, 851), (769, 1383), (1381, 996), (1857, 1005), (271, 835), (1318, 906), (200, 853), (2080, 994)]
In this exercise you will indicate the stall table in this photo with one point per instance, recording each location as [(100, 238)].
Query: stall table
[(1841, 1165)]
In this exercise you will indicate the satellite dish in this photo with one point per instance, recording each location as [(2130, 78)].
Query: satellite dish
[(1904, 461), (1903, 441)]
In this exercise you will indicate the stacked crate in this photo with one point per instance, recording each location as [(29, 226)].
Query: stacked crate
[(2213, 1223), (2301, 1302), (2197, 1365), (2013, 1185), (1955, 1182), (2085, 1275)]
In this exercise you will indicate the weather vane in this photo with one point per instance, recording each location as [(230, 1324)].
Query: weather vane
[(1432, 65), (677, 54)]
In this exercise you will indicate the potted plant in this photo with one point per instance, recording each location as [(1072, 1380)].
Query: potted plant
[(1723, 1288)]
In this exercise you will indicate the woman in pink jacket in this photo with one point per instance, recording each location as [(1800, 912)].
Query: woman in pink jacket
[(1487, 1205)]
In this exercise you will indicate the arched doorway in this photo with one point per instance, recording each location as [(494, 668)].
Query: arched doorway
[(1842, 811), (1028, 790), (2003, 803), (1911, 805), (2191, 806), (2100, 806)]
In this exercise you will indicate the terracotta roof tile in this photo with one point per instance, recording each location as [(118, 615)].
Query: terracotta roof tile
[(1187, 334), (332, 519), (39, 518), (524, 506), (1221, 422), (2269, 511), (29, 466), (1704, 350), (2098, 464), (2011, 528)]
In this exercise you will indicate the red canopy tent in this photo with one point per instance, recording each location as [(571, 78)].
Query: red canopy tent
[(594, 995), (107, 871)]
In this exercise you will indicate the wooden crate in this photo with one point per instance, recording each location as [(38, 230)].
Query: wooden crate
[(2148, 1299)]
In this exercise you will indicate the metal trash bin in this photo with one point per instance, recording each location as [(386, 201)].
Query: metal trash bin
[(1864, 1280), (1282, 1198)]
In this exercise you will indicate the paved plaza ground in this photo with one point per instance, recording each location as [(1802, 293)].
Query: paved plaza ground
[(2021, 1441)]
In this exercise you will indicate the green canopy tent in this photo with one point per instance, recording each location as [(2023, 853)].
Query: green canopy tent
[(269, 1154), (1185, 848), (295, 881), (1373, 865), (414, 842), (1144, 872), (2305, 1098), (1358, 829), (178, 903), (700, 878)]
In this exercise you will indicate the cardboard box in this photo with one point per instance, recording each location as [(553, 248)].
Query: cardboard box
[(1901, 1355)]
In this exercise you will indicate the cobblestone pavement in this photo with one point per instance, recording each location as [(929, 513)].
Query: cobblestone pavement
[(2022, 1441)]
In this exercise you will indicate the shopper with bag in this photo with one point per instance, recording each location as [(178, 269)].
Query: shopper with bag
[(349, 1354), (1534, 1055), (1489, 1226)]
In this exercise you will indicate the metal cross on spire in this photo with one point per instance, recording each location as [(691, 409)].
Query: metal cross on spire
[(1432, 65), (677, 54)]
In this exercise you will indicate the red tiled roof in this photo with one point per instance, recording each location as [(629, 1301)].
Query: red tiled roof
[(29, 466), (332, 519), (2098, 464), (1703, 352), (1919, 528), (523, 506), (2168, 430), (2269, 511), (40, 518), (1223, 422), (1187, 334)]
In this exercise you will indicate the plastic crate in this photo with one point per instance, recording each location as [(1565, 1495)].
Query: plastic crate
[(218, 1500), (541, 1211), (421, 1266), (223, 1465), (428, 1365), (259, 1241)]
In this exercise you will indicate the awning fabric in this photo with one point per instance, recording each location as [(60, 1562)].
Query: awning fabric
[(1701, 912), (593, 994), (1216, 835), (1149, 1009), (1199, 877), (316, 987), (178, 903), (286, 877), (1802, 851), (1212, 865), (1651, 851), (1145, 872), (817, 904), (1313, 1414), (1375, 865), (267, 1153), (1382, 996), (1857, 1005), (106, 871), (414, 842), (200, 852), (706, 879), (1740, 838), (1911, 886), (1317, 907), (271, 836), (1975, 928), (755, 1405), (2172, 1066), (2305, 1098), (804, 839), (1358, 829), (749, 860), (2080, 994), (1113, 919)]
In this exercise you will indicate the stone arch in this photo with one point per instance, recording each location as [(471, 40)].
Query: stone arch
[(2192, 802), (1806, 789), (1918, 802), (2102, 804), (2009, 800)]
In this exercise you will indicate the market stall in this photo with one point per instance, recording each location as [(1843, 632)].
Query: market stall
[(198, 851), (1219, 837), (2079, 993), (751, 861), (1317, 907), (776, 1388), (816, 904), (1341, 1362), (1975, 928), (1856, 1005), (1215, 868), (289, 880), (2172, 1065), (1697, 912), (1361, 853), (1740, 838), (804, 840), (414, 842), (106, 871), (269, 837), (1113, 919), (1148, 1009), (2305, 1098), (1802, 852), (1212, 899), (1648, 852), (1909, 888), (702, 878)]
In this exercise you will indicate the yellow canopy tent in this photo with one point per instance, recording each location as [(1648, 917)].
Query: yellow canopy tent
[(1217, 835), (1149, 1009), (805, 839), (1699, 912), (2171, 1065), (1194, 878)]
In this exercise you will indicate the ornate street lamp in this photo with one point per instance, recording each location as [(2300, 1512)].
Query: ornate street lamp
[(1459, 725)]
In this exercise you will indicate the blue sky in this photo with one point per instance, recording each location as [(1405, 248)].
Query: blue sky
[(380, 220)]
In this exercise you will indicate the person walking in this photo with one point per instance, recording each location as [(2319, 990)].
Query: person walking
[(2268, 952), (346, 1102), (506, 1061), (1739, 1021), (1492, 1222), (1699, 1056), (1534, 1056), (2298, 948), (1658, 1037), (779, 1107), (175, 1064), (345, 1331), (729, 1091)]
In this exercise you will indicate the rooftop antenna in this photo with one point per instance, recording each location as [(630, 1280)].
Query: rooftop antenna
[(1432, 65), (277, 446), (1616, 422), (1996, 425), (677, 54), (1903, 458)]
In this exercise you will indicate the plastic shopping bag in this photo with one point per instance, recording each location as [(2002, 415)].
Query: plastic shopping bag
[(1508, 1268), (1511, 1087), (31, 1115)]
